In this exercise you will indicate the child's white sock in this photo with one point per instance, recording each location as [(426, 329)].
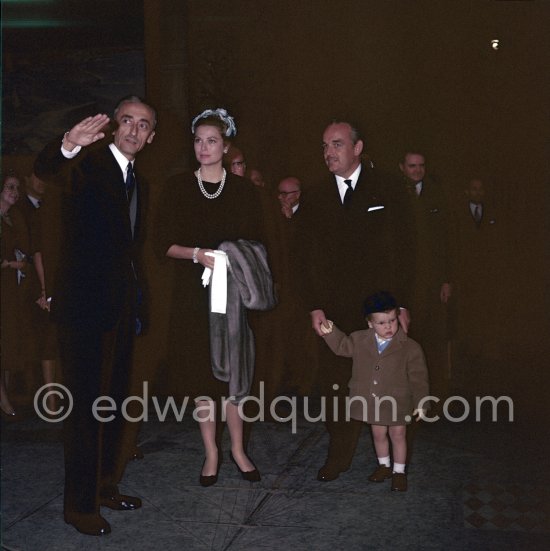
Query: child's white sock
[(384, 461), (399, 467)]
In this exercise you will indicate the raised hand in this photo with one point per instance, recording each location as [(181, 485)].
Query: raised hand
[(85, 132)]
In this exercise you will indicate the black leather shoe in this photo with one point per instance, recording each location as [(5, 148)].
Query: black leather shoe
[(9, 415), (120, 502), (328, 473), (91, 524), (211, 479), (250, 476), (136, 453)]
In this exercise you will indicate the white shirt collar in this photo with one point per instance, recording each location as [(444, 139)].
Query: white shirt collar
[(34, 201), (120, 158), (380, 340), (343, 187), (474, 205)]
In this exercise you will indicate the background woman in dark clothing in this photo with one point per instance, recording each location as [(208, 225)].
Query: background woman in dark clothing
[(15, 242)]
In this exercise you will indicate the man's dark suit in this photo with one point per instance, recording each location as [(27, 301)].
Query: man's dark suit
[(479, 269), (94, 306), (354, 251), (432, 269), (292, 347), (27, 208)]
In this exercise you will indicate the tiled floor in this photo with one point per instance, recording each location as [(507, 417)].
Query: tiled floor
[(471, 486), (506, 507)]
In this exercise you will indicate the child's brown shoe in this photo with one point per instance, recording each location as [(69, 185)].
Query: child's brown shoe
[(380, 474), (399, 482)]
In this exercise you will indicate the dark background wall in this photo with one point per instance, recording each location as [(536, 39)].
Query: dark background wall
[(408, 72), (416, 72)]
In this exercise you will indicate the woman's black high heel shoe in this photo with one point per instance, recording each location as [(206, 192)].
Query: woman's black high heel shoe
[(9, 413), (211, 479), (250, 476)]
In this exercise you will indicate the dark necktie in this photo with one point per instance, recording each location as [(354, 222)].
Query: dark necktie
[(349, 192), (477, 214), (130, 181)]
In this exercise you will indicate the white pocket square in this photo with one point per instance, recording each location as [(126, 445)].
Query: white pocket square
[(377, 207)]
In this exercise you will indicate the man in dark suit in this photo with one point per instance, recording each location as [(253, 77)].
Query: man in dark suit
[(234, 161), (94, 301), (432, 285), (478, 267), (298, 344), (357, 245), (34, 193), (289, 191)]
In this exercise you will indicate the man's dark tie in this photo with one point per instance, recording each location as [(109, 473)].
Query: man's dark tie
[(349, 192), (130, 181), (477, 214)]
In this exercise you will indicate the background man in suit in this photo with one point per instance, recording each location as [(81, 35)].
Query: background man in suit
[(234, 161), (432, 288), (475, 192), (478, 268), (357, 245), (289, 191), (94, 300), (297, 346), (34, 190)]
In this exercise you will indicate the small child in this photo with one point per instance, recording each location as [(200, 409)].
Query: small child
[(389, 373)]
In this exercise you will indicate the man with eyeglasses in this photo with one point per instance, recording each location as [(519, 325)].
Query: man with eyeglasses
[(234, 161), (292, 352), (428, 205), (289, 191)]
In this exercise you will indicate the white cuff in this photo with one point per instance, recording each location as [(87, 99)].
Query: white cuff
[(70, 154)]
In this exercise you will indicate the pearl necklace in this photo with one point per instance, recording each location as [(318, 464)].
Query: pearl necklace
[(217, 192)]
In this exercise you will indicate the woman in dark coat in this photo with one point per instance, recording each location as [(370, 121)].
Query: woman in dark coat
[(200, 210)]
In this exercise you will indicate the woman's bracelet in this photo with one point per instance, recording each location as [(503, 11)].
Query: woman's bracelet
[(195, 253)]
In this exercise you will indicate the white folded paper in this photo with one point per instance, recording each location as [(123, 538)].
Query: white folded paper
[(218, 291)]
